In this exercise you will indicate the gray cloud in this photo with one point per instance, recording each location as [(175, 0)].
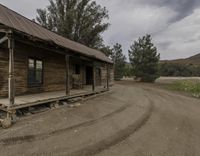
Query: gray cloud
[(173, 24), (25, 7), (197, 38), (182, 7), (165, 45)]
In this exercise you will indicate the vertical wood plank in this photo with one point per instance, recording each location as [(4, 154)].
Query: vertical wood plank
[(94, 77), (82, 74), (108, 76), (67, 75), (11, 78)]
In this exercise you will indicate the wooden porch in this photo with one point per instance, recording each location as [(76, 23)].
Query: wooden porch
[(43, 71), (47, 97)]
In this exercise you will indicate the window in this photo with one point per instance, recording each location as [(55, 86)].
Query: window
[(77, 69), (35, 72)]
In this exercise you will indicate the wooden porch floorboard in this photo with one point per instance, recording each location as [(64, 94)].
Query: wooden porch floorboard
[(36, 99)]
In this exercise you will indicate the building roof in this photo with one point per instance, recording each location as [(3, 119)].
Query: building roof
[(22, 24)]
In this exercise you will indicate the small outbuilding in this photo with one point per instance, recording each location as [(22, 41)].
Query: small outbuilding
[(39, 66)]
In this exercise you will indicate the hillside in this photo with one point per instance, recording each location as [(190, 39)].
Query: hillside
[(195, 60)]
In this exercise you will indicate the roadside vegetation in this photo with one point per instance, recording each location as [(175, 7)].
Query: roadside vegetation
[(144, 59), (119, 60), (176, 69), (190, 86)]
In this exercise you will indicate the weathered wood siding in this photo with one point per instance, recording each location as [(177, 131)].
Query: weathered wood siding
[(54, 70), (3, 71), (111, 75), (103, 80), (54, 65)]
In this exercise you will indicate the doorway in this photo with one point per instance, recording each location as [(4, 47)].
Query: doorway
[(89, 75)]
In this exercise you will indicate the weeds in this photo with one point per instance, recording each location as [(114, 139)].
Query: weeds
[(189, 86)]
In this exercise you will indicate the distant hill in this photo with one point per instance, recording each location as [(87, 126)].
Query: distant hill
[(195, 60)]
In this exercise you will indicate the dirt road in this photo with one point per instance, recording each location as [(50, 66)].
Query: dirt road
[(172, 130), (135, 119)]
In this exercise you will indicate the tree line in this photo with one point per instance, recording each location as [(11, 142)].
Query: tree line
[(144, 60), (84, 21), (177, 69)]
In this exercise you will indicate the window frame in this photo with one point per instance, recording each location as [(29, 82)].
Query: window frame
[(34, 83)]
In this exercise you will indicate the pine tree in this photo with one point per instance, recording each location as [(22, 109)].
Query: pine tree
[(78, 20), (119, 61), (107, 50), (144, 59)]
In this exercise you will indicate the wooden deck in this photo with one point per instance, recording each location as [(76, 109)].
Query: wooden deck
[(47, 97)]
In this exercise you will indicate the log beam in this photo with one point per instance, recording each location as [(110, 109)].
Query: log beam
[(11, 78)]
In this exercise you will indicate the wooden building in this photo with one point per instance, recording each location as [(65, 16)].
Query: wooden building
[(38, 66)]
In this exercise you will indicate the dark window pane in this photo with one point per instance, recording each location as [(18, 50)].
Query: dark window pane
[(31, 76), (38, 64), (38, 76), (35, 72), (31, 64)]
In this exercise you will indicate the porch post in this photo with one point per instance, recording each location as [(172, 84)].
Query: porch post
[(94, 77), (108, 75), (11, 78), (67, 75)]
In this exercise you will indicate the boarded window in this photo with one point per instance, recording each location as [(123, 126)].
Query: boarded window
[(35, 72)]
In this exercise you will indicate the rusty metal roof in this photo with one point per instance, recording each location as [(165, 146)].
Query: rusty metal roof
[(20, 23)]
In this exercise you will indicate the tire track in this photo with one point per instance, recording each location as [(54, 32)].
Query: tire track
[(31, 138), (115, 138)]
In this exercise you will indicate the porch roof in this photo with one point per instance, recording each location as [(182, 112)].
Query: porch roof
[(24, 25)]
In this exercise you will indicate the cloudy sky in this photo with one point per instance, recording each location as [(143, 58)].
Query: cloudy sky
[(173, 24)]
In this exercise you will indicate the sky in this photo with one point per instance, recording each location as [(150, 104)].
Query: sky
[(173, 24)]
